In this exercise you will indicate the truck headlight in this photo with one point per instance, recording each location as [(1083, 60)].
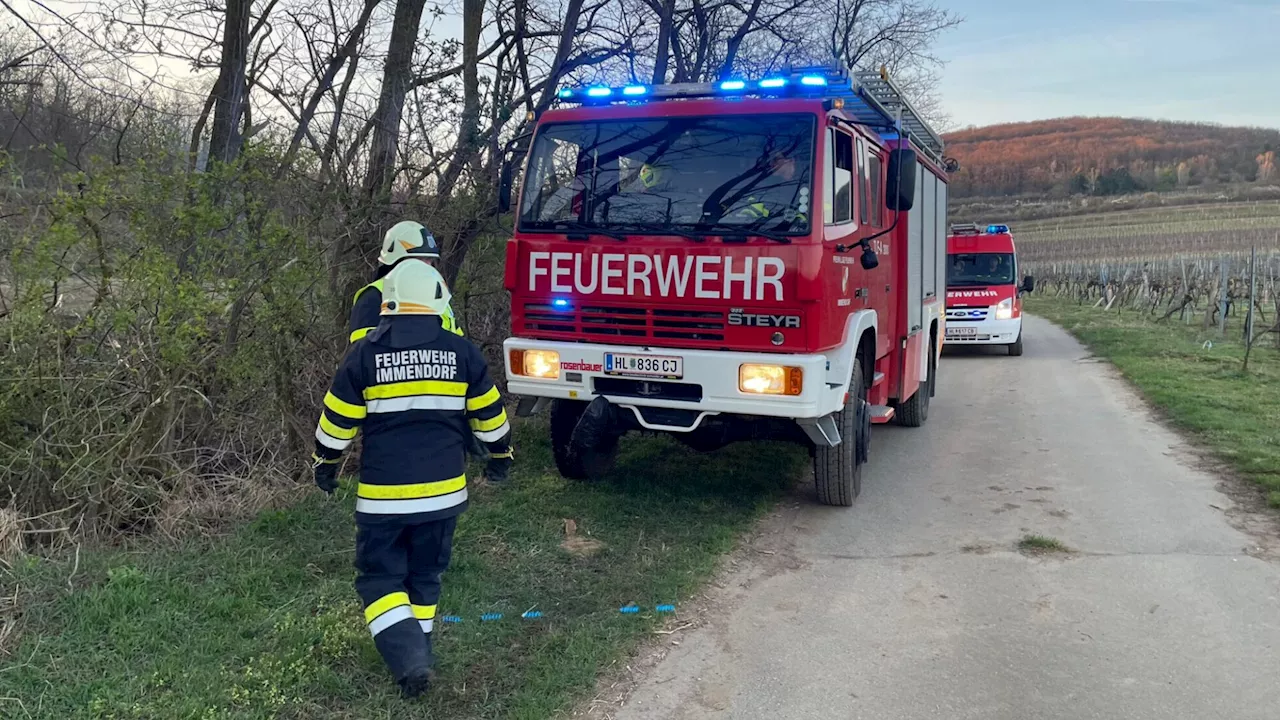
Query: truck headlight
[(770, 379), (541, 364), (1004, 310)]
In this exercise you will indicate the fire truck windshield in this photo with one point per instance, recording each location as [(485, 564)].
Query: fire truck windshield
[(970, 269), (752, 172)]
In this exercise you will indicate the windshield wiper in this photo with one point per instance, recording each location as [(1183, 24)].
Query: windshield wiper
[(579, 230), (732, 229), (658, 229)]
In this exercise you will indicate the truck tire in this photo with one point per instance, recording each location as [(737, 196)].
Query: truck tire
[(837, 471), (1015, 350), (574, 462), (915, 411), (564, 418)]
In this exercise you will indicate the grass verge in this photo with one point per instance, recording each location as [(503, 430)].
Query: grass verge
[(1199, 388), (264, 623)]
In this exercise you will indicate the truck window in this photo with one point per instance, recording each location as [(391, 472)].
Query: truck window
[(753, 171), (977, 269), (842, 179), (828, 173), (862, 182), (876, 199)]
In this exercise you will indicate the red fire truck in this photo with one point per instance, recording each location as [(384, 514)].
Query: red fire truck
[(729, 261), (984, 297)]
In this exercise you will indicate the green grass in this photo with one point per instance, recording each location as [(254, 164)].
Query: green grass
[(264, 623), (1200, 389), (1041, 545)]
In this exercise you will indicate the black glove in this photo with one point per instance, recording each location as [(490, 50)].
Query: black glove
[(498, 468), (326, 476)]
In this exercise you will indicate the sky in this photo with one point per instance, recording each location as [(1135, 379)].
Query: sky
[(1194, 60)]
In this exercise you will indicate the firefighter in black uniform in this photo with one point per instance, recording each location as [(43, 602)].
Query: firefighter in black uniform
[(418, 391), (404, 241)]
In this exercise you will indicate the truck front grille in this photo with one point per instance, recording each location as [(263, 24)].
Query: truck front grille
[(967, 314), (606, 321)]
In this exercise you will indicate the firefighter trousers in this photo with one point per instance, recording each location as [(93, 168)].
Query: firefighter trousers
[(398, 578)]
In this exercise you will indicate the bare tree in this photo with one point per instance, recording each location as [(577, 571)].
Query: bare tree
[(230, 91)]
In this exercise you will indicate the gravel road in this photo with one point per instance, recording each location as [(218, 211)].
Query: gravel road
[(917, 603)]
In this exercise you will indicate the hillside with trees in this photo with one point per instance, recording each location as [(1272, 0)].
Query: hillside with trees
[(1108, 156)]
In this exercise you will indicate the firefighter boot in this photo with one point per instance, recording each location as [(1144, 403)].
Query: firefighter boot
[(415, 684)]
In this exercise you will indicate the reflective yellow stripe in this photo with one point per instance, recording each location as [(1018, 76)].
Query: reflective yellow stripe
[(376, 285), (356, 335), (410, 388), (411, 492), (385, 603), (450, 322), (485, 400), (490, 424), (424, 612), (341, 433), (344, 408)]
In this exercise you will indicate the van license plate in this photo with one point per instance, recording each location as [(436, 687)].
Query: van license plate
[(961, 331), (663, 366)]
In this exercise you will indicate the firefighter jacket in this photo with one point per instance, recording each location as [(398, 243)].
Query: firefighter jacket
[(416, 390), (366, 311)]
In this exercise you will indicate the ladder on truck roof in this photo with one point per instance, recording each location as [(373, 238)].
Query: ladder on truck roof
[(876, 89)]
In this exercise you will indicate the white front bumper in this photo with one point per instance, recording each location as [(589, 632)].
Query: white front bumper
[(715, 371), (986, 332)]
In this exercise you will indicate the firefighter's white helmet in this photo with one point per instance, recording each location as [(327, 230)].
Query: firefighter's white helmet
[(415, 288), (408, 239)]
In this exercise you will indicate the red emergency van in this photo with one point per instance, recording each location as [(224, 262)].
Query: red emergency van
[(984, 297)]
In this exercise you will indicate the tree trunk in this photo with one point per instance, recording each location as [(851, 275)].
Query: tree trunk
[(735, 42), (666, 19), (469, 121), (397, 76), (229, 104)]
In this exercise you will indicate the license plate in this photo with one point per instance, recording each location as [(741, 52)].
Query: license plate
[(961, 330), (664, 366)]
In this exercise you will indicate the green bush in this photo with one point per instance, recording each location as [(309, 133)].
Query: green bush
[(165, 336)]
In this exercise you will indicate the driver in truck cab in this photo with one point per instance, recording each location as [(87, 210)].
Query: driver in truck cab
[(761, 207)]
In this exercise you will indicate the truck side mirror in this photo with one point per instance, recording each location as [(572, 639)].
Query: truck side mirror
[(1028, 284), (900, 191), (504, 186)]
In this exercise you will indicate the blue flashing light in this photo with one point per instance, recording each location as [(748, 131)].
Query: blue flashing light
[(813, 81), (560, 304), (634, 90), (773, 83), (733, 85), (994, 229), (599, 92), (565, 94)]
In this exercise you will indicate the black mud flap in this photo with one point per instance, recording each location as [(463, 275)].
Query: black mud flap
[(595, 438), (862, 450)]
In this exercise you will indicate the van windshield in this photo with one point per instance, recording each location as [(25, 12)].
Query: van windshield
[(748, 172), (969, 269)]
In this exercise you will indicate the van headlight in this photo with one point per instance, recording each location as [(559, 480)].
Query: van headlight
[(1004, 310)]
